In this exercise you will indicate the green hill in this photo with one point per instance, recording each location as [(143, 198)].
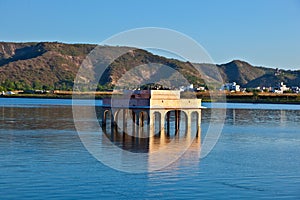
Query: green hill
[(53, 65)]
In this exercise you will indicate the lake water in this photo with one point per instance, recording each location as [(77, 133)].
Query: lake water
[(42, 157)]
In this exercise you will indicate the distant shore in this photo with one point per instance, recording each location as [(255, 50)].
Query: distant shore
[(287, 98), (54, 96), (63, 95), (250, 97)]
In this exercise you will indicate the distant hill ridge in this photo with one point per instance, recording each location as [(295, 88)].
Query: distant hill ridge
[(53, 65), (251, 76)]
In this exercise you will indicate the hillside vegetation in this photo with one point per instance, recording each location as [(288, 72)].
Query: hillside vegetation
[(53, 65)]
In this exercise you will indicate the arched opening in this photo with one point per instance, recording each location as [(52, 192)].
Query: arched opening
[(175, 123), (131, 126), (121, 116), (183, 123), (117, 118), (195, 122), (106, 121)]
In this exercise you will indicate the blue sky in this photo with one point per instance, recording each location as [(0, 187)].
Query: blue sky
[(262, 32)]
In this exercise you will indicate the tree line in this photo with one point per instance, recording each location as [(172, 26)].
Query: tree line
[(65, 85)]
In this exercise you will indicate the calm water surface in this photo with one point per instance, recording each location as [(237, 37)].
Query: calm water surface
[(41, 156)]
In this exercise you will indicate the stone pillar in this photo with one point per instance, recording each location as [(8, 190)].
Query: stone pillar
[(103, 117), (199, 124), (125, 114), (112, 125), (198, 134), (148, 123), (137, 125), (151, 123), (188, 125), (177, 121), (141, 124), (124, 121), (168, 123), (162, 127), (151, 129), (133, 123)]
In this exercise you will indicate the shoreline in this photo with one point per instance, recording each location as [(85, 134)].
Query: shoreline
[(272, 99)]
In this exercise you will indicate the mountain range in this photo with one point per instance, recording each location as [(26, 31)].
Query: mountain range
[(54, 65)]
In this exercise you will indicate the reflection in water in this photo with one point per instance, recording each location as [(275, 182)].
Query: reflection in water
[(126, 134), (282, 117), (42, 157), (160, 136)]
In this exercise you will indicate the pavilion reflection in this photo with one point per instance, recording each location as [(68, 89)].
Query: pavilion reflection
[(160, 134), (146, 130), (149, 129)]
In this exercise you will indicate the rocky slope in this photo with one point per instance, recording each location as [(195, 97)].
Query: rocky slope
[(53, 65)]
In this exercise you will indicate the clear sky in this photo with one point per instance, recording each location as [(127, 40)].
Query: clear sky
[(262, 32)]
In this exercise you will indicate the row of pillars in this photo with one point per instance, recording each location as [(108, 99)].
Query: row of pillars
[(165, 114), (145, 123), (136, 118)]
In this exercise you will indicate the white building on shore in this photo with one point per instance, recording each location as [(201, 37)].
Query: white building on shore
[(280, 88), (232, 87)]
